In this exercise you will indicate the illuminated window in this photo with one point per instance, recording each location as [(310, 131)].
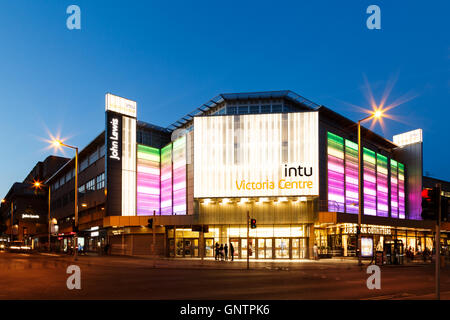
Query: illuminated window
[(370, 190), (148, 180), (382, 186), (351, 177), (335, 173)]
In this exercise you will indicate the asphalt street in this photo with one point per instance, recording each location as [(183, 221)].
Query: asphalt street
[(34, 276)]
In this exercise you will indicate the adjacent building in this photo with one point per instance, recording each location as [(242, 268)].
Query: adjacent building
[(24, 209)]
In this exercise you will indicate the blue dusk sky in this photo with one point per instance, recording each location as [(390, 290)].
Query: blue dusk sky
[(172, 56)]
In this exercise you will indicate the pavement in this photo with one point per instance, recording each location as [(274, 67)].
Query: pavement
[(211, 263), (44, 276)]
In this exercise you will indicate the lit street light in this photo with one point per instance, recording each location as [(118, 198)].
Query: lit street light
[(58, 143), (377, 114)]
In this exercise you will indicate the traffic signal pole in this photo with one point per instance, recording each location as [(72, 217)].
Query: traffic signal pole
[(438, 243)]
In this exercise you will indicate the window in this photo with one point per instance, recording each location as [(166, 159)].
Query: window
[(102, 151), (265, 109), (93, 157), (82, 189), (231, 110), (277, 108), (243, 110), (254, 109), (90, 185), (83, 164), (69, 176), (101, 181), (62, 181)]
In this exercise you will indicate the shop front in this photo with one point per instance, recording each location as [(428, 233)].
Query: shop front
[(341, 239), (264, 242)]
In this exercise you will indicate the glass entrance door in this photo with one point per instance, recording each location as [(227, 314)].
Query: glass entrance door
[(299, 248), (282, 248), (236, 247), (251, 248), (265, 248), (209, 247)]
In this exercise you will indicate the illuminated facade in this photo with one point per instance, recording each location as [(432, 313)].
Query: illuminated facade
[(273, 156)]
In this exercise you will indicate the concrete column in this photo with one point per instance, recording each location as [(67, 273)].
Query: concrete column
[(311, 241), (201, 244)]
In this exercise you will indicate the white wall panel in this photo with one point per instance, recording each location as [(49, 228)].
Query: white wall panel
[(232, 149)]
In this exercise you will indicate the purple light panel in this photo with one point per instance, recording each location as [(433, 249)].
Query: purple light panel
[(370, 193), (166, 180), (179, 176), (148, 189), (382, 186), (336, 182), (351, 177), (401, 191), (394, 189)]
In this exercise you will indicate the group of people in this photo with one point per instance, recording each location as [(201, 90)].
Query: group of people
[(222, 252)]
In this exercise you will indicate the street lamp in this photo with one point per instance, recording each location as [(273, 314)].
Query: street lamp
[(38, 185), (377, 114), (59, 143)]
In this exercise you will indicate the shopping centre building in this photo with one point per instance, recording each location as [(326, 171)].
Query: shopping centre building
[(276, 157)]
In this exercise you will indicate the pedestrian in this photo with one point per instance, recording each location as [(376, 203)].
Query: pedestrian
[(217, 251), (231, 251), (221, 252), (226, 251), (316, 252), (106, 248)]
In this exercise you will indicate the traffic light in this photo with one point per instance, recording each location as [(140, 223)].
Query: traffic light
[(150, 223), (430, 204), (253, 223)]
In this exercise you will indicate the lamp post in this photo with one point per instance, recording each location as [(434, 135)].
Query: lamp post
[(376, 114), (12, 212), (58, 143), (38, 185)]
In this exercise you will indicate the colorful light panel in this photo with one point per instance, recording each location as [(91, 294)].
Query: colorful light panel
[(351, 177), (394, 189), (382, 186), (148, 180), (370, 193), (166, 180), (401, 191), (335, 173), (179, 176)]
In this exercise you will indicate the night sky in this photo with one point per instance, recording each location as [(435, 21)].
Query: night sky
[(173, 56)]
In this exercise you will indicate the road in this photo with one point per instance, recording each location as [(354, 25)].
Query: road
[(33, 276)]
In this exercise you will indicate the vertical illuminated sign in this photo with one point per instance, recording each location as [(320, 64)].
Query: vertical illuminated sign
[(336, 184), (179, 176), (351, 177), (148, 180), (394, 188), (113, 160), (401, 191), (166, 180), (382, 186), (370, 195), (121, 156)]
